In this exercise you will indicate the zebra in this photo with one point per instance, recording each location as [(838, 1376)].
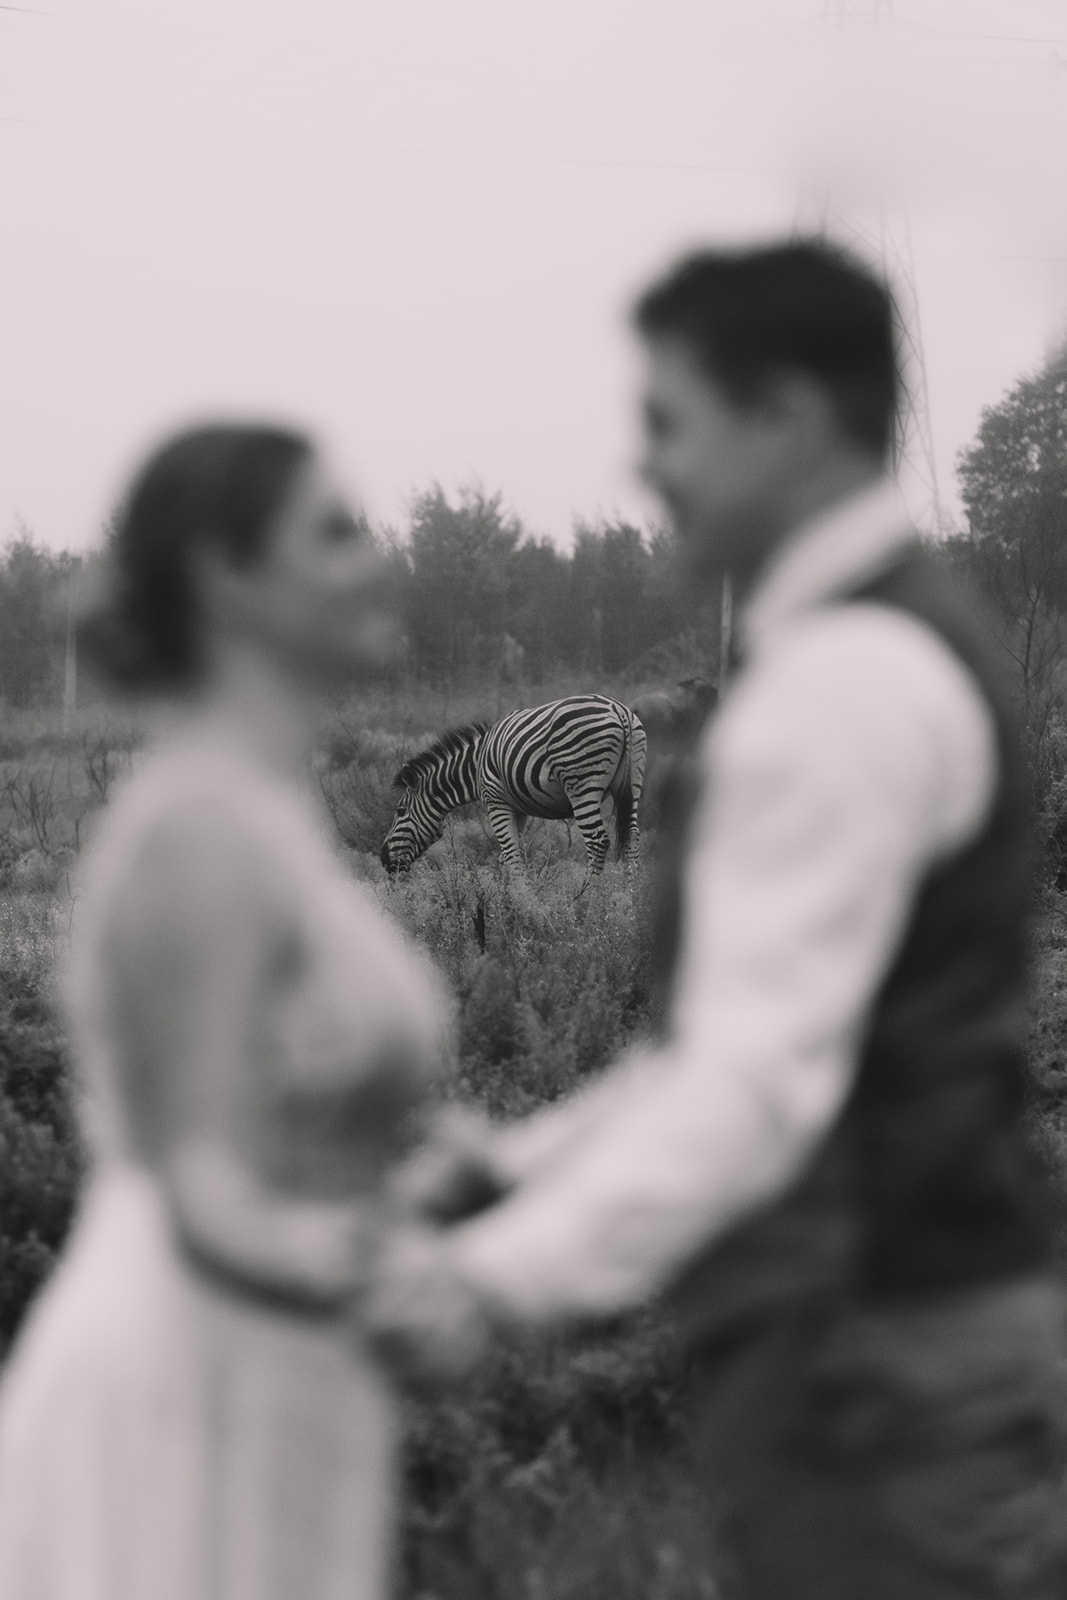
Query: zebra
[(556, 760)]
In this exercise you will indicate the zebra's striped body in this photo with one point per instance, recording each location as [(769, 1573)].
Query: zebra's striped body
[(558, 760)]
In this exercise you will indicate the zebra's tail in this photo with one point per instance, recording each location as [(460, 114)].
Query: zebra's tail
[(624, 795)]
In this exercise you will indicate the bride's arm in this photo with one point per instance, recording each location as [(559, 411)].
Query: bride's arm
[(199, 949), (234, 1228)]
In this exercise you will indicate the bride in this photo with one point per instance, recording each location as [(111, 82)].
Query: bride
[(187, 1415)]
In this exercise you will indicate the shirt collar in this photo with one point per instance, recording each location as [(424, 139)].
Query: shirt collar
[(837, 550)]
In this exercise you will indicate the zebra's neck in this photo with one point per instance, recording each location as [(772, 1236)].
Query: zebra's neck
[(466, 774)]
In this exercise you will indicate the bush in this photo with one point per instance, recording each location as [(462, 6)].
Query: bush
[(40, 1153), (552, 974), (562, 1471)]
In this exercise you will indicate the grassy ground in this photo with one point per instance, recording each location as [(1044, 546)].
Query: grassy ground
[(563, 1472), (559, 1473)]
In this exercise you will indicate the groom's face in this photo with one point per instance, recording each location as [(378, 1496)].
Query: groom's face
[(717, 466)]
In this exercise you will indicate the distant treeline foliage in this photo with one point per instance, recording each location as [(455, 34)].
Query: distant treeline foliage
[(1013, 483), (482, 597), (35, 591), (479, 595), (480, 592)]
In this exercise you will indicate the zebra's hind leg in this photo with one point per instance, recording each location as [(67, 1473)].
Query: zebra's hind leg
[(585, 803), (505, 825), (632, 853), (638, 758)]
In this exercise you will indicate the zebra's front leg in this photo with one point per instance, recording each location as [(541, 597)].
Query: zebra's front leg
[(505, 825)]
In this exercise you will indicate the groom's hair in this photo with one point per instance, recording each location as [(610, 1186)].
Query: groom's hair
[(747, 316)]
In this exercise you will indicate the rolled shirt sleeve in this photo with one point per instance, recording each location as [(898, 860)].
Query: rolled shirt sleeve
[(847, 759)]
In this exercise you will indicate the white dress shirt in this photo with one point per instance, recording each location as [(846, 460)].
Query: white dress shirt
[(850, 753)]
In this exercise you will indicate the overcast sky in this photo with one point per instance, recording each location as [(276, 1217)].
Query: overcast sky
[(417, 225)]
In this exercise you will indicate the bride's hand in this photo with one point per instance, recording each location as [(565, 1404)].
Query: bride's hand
[(453, 1173), (421, 1316)]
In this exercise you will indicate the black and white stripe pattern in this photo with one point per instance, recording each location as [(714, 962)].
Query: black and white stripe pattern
[(557, 760)]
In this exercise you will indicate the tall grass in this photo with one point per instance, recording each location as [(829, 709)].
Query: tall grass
[(40, 1152), (562, 1471)]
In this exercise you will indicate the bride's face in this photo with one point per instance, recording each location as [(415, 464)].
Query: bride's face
[(321, 597)]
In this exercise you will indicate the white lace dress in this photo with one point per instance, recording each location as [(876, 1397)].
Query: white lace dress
[(163, 1436)]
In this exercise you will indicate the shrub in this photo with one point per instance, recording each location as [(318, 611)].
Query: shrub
[(562, 1471), (40, 1153), (559, 1471)]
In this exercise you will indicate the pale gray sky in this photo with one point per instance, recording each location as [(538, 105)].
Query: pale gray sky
[(417, 226)]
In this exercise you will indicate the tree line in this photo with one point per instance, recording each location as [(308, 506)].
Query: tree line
[(1013, 483), (37, 588), (481, 595)]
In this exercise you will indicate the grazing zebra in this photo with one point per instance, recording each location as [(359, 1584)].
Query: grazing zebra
[(558, 760)]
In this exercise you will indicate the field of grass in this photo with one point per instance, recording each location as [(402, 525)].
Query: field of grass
[(559, 1473)]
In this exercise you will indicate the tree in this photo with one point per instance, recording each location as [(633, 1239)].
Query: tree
[(34, 586), (459, 592), (482, 596), (540, 584), (1013, 482), (624, 576), (585, 609)]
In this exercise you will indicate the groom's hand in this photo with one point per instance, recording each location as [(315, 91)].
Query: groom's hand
[(421, 1316), (452, 1175)]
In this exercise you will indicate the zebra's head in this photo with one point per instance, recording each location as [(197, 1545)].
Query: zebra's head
[(431, 785), (414, 828)]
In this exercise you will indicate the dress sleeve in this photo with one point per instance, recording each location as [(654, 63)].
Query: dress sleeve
[(838, 771)]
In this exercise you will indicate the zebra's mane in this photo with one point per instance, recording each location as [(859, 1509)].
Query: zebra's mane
[(427, 760)]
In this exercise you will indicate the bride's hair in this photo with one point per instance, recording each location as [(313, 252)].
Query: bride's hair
[(218, 486)]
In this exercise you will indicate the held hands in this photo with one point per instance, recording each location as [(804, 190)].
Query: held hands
[(423, 1318), (454, 1173)]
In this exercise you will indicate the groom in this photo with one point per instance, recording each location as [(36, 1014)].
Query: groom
[(823, 1164)]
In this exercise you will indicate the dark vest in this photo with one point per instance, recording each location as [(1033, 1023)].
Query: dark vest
[(925, 1182)]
